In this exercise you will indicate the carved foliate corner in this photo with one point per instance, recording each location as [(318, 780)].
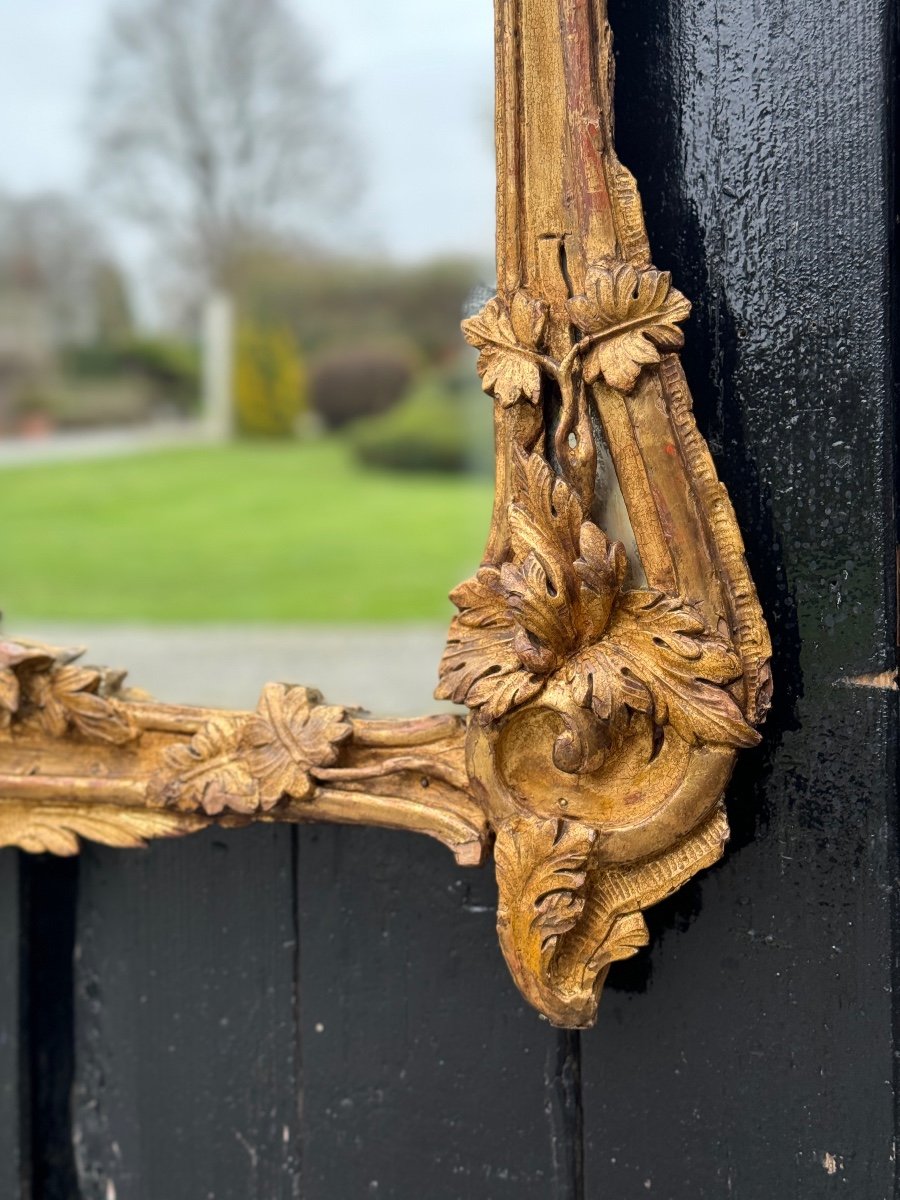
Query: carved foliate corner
[(610, 649)]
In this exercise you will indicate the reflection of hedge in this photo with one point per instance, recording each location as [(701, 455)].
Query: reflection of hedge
[(171, 367), (358, 381), (431, 430), (270, 387), (342, 303)]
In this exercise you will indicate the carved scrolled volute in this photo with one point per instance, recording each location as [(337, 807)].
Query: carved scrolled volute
[(610, 648)]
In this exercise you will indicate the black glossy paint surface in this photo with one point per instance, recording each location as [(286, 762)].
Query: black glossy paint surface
[(324, 1014), (751, 1054)]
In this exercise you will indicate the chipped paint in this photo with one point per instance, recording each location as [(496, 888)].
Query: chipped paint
[(832, 1163), (886, 680)]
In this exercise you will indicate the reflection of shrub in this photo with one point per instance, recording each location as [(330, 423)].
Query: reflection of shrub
[(270, 387), (170, 367), (431, 430), (359, 381)]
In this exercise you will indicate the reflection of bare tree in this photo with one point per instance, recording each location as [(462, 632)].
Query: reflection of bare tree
[(58, 283), (211, 123), (59, 287)]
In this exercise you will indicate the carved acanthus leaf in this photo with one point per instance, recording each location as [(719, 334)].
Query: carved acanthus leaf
[(14, 656), (565, 575), (556, 614), (564, 916), (56, 828), (629, 315), (519, 623), (542, 873), (43, 683), (70, 696), (509, 339), (613, 928), (658, 658), (481, 668)]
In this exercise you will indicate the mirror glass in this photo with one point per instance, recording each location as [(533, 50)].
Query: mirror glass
[(241, 437)]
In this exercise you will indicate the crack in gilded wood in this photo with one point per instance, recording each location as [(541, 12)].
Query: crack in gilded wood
[(604, 718)]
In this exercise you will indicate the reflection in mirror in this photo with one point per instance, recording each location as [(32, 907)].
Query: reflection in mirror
[(241, 437)]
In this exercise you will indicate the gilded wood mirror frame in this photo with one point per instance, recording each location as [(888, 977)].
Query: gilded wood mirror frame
[(610, 649)]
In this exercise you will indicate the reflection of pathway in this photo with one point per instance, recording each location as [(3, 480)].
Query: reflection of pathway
[(101, 443), (391, 670)]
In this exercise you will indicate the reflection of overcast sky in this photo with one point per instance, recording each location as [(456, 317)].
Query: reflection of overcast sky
[(419, 80)]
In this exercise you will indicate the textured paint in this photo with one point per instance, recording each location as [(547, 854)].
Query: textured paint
[(186, 1084), (759, 1039), (424, 1071)]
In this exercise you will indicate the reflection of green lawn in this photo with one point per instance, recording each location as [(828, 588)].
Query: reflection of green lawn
[(246, 532)]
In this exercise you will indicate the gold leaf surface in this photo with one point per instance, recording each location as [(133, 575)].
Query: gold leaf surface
[(658, 658), (207, 774), (505, 336), (631, 315), (56, 828), (290, 735), (542, 872)]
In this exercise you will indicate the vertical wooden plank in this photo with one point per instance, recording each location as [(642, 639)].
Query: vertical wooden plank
[(187, 1074), (49, 892), (13, 1182), (752, 1053), (424, 1073)]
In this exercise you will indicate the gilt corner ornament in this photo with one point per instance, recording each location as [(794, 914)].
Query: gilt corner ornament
[(610, 649)]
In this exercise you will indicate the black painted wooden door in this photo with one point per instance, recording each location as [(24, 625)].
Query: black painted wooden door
[(323, 1013)]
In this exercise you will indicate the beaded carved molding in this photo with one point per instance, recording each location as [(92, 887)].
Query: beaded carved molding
[(610, 649)]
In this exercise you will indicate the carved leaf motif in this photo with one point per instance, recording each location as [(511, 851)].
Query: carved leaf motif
[(502, 335), (627, 936), (9, 696), (247, 765), (658, 658), (56, 828), (633, 315), (615, 928), (520, 623), (545, 519), (290, 735), (481, 668), (557, 612), (15, 655), (542, 872), (67, 696), (601, 571), (207, 774), (482, 600)]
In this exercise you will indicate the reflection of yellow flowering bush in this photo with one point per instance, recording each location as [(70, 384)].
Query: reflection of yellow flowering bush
[(270, 383)]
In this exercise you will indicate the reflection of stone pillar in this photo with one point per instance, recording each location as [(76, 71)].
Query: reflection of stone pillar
[(218, 341)]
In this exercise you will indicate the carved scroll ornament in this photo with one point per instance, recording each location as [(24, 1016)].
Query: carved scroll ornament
[(610, 649)]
